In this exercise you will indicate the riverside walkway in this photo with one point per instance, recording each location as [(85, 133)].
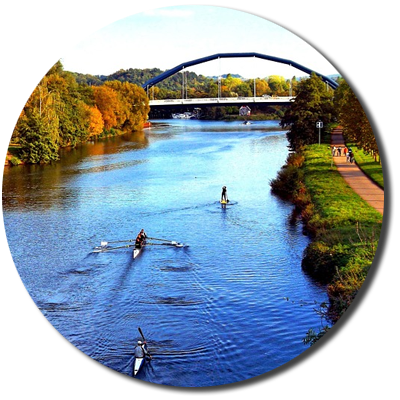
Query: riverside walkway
[(355, 178)]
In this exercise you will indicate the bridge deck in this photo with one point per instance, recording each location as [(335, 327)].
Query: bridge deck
[(222, 101)]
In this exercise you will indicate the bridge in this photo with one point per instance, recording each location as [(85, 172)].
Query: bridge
[(220, 101), (225, 101)]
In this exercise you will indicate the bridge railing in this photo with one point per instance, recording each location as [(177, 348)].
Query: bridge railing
[(216, 100)]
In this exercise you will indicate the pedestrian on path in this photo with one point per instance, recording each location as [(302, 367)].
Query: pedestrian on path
[(334, 151), (351, 156)]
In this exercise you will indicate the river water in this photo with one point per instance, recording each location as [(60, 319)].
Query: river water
[(230, 306)]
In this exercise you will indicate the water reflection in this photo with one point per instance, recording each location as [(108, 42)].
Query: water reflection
[(45, 186)]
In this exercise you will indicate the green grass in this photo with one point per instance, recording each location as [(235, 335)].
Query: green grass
[(336, 203), (367, 163), (346, 230)]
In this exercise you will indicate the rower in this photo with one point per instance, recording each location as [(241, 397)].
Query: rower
[(140, 239), (141, 351), (143, 234)]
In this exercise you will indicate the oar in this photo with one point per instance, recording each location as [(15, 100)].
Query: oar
[(175, 244), (141, 334), (102, 248), (163, 240), (163, 244), (117, 241)]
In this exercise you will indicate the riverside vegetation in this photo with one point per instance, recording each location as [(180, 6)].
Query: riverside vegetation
[(345, 230), (68, 108)]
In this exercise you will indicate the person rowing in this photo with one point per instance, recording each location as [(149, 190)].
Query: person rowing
[(141, 350), (224, 196), (141, 237)]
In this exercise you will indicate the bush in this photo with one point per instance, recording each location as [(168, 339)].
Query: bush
[(287, 183), (319, 262), (15, 160)]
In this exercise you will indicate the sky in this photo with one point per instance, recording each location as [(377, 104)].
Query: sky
[(166, 37)]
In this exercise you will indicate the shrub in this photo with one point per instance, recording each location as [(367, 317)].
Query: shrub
[(286, 184), (15, 160)]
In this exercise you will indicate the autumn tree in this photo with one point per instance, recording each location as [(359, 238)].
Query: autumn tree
[(96, 123), (109, 105), (134, 105), (356, 126)]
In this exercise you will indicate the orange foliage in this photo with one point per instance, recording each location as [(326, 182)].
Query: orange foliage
[(96, 123), (108, 104)]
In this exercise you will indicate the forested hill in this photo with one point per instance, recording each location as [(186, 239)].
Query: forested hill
[(196, 86), (139, 77)]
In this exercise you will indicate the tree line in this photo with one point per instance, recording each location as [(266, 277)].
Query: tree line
[(316, 101), (68, 108), (64, 112)]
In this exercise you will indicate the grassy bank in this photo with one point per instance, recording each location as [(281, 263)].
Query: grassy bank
[(344, 228), (371, 167)]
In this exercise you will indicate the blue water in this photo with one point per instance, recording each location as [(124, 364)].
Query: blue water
[(232, 305)]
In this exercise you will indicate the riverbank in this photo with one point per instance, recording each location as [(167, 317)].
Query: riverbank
[(344, 228), (13, 156)]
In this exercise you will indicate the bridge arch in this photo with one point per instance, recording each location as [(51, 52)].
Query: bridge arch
[(153, 81)]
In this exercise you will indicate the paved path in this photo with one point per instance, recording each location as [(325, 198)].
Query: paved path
[(354, 177)]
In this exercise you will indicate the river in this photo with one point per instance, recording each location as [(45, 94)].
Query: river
[(231, 305)]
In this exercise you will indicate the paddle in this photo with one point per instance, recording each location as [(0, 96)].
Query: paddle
[(144, 340)]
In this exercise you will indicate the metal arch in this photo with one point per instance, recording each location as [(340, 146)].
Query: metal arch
[(151, 82)]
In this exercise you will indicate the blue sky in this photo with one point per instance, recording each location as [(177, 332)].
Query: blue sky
[(166, 37)]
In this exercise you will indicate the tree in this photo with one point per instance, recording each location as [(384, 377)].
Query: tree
[(134, 105), (96, 123), (109, 105), (313, 103), (277, 85), (356, 127), (37, 139)]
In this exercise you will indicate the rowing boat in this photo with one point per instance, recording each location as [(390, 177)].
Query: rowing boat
[(139, 361), (104, 246), (137, 251)]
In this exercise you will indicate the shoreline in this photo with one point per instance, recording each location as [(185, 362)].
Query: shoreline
[(343, 227), (13, 159)]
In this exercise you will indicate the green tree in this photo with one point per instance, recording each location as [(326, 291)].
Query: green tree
[(277, 84), (37, 139), (313, 103)]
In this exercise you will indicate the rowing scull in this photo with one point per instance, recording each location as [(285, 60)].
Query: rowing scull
[(138, 250)]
